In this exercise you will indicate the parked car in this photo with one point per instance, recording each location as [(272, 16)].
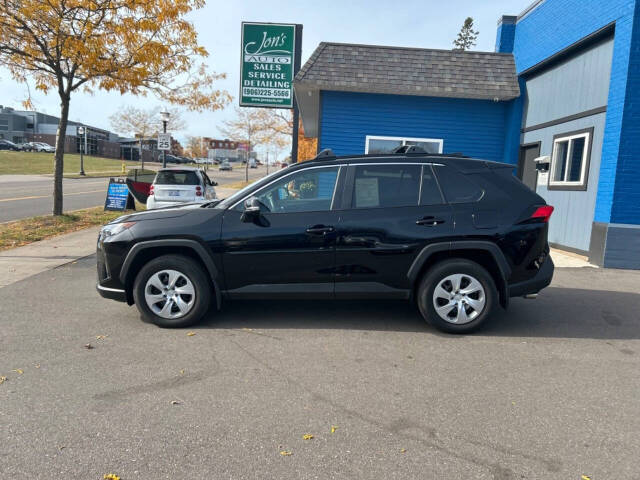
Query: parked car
[(24, 146), (225, 165), (43, 147), (253, 163), (7, 145), (457, 236), (177, 186)]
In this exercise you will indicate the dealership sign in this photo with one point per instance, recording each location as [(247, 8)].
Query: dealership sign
[(267, 65)]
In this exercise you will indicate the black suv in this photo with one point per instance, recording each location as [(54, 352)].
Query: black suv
[(458, 236)]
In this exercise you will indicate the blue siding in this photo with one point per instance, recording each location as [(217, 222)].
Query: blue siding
[(555, 25), (505, 37), (473, 127), (626, 196)]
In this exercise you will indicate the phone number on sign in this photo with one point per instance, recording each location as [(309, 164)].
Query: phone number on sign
[(266, 92)]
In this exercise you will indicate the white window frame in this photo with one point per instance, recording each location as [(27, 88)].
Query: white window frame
[(585, 160), (404, 141)]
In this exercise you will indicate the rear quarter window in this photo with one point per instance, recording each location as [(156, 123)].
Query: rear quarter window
[(457, 187)]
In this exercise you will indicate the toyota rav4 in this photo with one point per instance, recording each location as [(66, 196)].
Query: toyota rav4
[(455, 235)]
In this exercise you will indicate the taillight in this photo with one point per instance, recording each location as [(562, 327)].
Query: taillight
[(151, 190), (198, 191), (543, 213)]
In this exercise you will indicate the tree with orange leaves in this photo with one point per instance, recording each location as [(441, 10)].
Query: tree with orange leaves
[(128, 46)]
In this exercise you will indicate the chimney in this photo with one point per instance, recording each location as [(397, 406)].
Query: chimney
[(506, 34)]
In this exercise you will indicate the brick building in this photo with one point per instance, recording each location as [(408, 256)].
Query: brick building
[(26, 126)]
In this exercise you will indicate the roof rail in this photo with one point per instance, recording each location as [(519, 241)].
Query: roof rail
[(325, 154)]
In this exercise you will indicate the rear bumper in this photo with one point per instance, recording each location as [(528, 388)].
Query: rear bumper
[(541, 280), (112, 293)]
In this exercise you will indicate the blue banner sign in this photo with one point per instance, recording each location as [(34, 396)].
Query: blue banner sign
[(118, 196)]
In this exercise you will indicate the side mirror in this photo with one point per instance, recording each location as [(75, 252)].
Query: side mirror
[(252, 209), (214, 183)]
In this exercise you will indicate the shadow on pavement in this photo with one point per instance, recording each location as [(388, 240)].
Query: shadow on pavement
[(557, 313)]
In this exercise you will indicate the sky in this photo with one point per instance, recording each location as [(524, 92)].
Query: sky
[(407, 23)]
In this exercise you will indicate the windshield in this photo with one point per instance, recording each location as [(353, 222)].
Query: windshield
[(227, 202)]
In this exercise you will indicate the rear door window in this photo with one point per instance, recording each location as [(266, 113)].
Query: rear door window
[(177, 177), (429, 191), (379, 186), (457, 188)]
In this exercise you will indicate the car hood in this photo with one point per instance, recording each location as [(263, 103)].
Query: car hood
[(160, 213)]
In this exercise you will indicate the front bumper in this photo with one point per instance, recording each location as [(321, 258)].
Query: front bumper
[(112, 293), (541, 280)]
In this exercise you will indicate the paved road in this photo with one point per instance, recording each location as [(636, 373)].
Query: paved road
[(548, 391), (24, 196)]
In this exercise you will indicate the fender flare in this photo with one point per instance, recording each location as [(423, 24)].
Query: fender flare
[(490, 247), (200, 250)]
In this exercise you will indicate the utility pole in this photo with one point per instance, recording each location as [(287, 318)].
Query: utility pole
[(296, 111)]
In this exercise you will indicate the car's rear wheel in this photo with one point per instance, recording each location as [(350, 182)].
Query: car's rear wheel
[(172, 291), (457, 296)]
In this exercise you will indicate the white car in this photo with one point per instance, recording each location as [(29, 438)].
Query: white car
[(176, 186), (43, 147)]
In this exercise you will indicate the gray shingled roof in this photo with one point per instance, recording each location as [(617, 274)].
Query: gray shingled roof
[(410, 71)]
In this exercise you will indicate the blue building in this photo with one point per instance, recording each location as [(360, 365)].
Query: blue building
[(559, 99)]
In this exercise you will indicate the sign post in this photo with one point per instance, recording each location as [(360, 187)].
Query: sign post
[(164, 144)]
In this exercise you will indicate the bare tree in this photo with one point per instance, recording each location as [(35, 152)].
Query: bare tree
[(144, 123), (247, 126)]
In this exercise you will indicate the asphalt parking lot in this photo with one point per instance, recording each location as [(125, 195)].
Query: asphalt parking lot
[(549, 390)]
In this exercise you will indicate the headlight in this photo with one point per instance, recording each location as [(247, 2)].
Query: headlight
[(115, 228)]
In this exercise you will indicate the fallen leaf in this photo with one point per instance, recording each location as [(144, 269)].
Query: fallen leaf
[(190, 334), (101, 337), (584, 477), (334, 428), (403, 450), (175, 402), (37, 365), (88, 346), (182, 371), (307, 436), (2, 380), (285, 453), (18, 371), (111, 476)]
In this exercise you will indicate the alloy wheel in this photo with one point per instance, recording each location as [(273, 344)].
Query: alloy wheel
[(459, 298), (169, 294)]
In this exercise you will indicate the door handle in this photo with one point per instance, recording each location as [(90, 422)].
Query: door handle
[(429, 221), (320, 230)]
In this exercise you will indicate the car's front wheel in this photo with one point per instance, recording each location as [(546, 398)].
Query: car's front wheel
[(457, 296), (172, 291)]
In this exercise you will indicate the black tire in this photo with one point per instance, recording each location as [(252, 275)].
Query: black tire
[(192, 272), (437, 274)]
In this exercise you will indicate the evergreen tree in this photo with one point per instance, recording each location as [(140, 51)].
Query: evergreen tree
[(467, 36)]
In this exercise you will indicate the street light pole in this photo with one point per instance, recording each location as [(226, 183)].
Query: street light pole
[(83, 145), (165, 120)]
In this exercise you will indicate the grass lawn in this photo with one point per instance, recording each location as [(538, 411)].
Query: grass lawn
[(22, 232), (238, 185), (42, 163)]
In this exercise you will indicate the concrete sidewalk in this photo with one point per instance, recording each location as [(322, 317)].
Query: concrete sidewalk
[(22, 262)]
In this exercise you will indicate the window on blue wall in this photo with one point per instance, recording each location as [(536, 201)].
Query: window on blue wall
[(570, 160), (379, 145)]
